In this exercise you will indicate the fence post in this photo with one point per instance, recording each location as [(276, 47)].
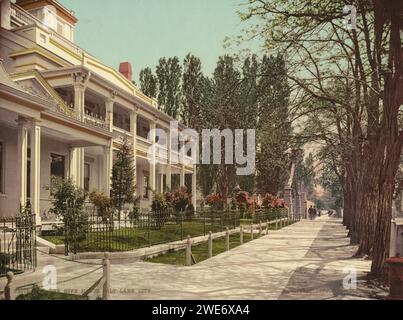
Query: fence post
[(276, 223), (149, 229), (181, 227), (260, 228), (9, 290), (267, 227), (188, 252), (227, 239), (107, 277), (210, 244), (251, 231), (241, 235), (204, 222)]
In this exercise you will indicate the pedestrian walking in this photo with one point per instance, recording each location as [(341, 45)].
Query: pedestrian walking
[(311, 212)]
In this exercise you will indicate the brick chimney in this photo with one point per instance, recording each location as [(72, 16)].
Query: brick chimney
[(125, 68)]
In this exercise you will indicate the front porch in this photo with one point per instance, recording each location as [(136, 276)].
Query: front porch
[(32, 151)]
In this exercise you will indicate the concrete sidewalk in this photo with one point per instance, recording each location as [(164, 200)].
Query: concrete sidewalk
[(302, 261)]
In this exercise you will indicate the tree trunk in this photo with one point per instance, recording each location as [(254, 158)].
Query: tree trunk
[(391, 136), (372, 168), (382, 231)]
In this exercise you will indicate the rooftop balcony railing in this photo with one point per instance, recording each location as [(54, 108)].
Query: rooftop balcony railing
[(24, 18)]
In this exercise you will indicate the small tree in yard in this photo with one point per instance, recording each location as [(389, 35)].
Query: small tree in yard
[(68, 204), (102, 203), (123, 187), (160, 208)]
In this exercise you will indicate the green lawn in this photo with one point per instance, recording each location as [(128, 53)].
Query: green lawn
[(130, 238), (39, 294), (200, 251)]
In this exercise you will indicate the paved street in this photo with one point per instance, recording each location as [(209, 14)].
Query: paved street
[(303, 261)]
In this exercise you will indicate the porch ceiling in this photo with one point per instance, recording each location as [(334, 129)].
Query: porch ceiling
[(66, 138)]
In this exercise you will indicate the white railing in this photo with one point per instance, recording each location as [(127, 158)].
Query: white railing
[(25, 18), (120, 135), (73, 114), (95, 121), (67, 43), (122, 132)]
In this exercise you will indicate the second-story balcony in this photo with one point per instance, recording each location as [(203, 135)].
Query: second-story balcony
[(121, 118), (94, 112)]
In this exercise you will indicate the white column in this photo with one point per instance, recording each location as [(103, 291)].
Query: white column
[(108, 164), (77, 166), (36, 170), (5, 8), (22, 145), (288, 200), (72, 164), (169, 164), (194, 187), (162, 182), (133, 131), (79, 99), (153, 182), (109, 113), (182, 176), (169, 177), (80, 167), (77, 154)]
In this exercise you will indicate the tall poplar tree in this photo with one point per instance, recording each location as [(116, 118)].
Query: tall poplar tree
[(148, 83)]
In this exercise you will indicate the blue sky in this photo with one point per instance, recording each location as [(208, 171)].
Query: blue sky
[(142, 31)]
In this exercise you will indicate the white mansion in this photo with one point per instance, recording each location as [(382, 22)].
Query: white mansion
[(63, 113)]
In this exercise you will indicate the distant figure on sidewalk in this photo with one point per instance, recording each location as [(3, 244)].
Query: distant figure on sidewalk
[(311, 212)]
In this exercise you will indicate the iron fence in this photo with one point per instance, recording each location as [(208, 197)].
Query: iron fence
[(17, 244), (99, 233)]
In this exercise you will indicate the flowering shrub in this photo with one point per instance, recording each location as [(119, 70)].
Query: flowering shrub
[(245, 202), (242, 197), (271, 201), (215, 201), (179, 199)]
